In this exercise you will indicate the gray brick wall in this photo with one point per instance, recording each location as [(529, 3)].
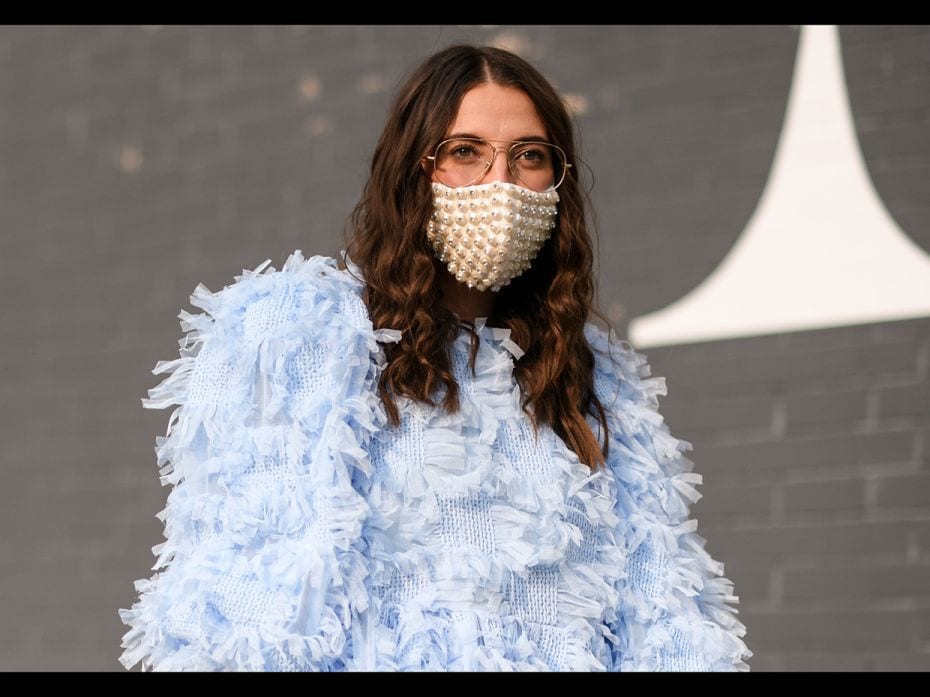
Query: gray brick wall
[(137, 162)]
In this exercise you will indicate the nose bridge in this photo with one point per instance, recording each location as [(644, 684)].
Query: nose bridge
[(500, 165)]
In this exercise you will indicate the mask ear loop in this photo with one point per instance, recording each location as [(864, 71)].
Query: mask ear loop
[(428, 163)]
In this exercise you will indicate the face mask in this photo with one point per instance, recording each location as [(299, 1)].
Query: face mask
[(488, 234)]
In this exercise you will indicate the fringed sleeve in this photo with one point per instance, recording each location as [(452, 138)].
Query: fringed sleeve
[(264, 563), (673, 612)]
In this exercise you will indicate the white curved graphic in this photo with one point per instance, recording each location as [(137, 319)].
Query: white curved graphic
[(820, 249)]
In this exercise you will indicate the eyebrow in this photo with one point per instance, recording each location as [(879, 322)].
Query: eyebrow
[(536, 137)]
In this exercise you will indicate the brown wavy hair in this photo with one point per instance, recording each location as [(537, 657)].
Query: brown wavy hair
[(545, 308)]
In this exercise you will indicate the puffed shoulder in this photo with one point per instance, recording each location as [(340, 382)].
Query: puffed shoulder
[(263, 329), (266, 294), (307, 297)]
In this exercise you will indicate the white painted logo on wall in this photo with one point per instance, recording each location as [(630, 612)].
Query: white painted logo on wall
[(820, 249)]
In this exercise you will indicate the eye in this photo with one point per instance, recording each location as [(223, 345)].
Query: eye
[(464, 151), (532, 155), (460, 151)]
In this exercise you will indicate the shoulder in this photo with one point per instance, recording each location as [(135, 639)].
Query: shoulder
[(620, 371), (624, 384), (304, 327), (308, 299), (265, 302)]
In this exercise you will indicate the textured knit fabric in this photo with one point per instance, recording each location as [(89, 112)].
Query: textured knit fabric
[(303, 532)]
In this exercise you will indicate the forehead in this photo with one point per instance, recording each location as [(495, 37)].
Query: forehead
[(497, 112)]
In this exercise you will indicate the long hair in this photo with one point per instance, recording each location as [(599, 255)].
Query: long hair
[(545, 308)]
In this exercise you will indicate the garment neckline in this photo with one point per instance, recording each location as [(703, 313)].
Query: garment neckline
[(481, 324), (495, 334)]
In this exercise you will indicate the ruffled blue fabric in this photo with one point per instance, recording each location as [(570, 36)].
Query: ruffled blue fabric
[(303, 532), (675, 612)]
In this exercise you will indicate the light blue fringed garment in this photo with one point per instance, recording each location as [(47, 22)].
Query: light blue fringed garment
[(303, 532)]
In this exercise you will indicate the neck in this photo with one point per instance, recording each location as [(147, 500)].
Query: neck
[(467, 303)]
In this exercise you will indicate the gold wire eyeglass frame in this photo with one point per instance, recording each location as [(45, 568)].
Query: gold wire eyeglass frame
[(508, 150)]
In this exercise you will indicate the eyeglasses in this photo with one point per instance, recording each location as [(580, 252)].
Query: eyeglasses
[(463, 161)]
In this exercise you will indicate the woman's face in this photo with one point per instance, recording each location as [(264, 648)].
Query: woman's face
[(500, 115)]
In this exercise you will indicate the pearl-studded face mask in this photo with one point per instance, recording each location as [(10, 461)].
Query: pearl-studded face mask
[(488, 234)]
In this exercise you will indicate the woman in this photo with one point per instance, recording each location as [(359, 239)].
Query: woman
[(427, 457)]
